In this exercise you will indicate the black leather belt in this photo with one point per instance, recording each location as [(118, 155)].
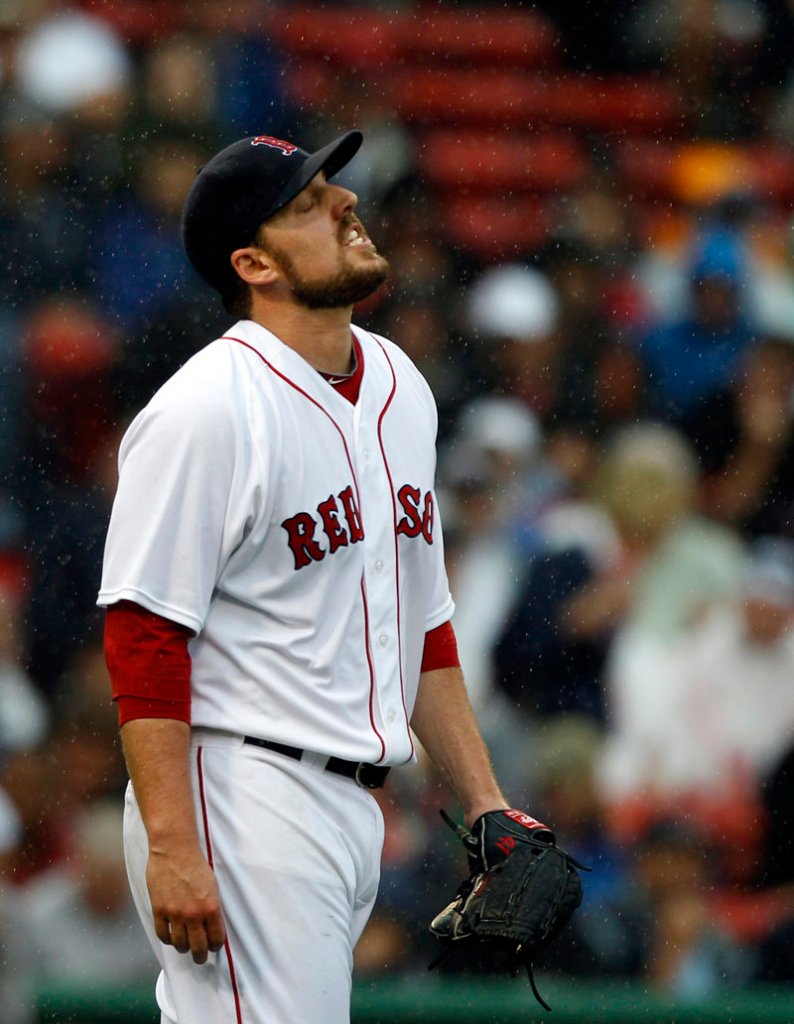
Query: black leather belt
[(370, 776)]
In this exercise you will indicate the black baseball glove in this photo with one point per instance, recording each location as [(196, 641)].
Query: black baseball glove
[(521, 892)]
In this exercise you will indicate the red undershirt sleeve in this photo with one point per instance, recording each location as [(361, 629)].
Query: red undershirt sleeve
[(149, 663), (441, 649)]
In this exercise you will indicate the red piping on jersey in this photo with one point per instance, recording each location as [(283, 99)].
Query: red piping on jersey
[(383, 412), (339, 430), (205, 818), (371, 670)]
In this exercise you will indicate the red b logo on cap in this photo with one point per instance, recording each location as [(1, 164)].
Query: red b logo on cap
[(287, 148)]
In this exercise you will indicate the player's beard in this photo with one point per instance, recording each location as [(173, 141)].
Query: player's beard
[(349, 285)]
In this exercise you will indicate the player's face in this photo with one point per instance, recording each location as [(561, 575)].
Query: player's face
[(322, 250)]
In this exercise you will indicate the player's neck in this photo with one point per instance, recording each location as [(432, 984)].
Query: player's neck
[(322, 336)]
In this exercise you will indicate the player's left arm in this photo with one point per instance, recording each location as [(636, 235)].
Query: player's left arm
[(445, 725)]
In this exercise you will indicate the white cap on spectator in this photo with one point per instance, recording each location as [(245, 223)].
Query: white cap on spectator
[(513, 301), (501, 424), (70, 59)]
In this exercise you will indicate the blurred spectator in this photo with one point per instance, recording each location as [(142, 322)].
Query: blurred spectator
[(661, 927), (72, 60), (78, 762), (415, 322), (776, 877), (714, 49), (744, 438), (699, 720), (566, 753), (602, 378), (46, 230), (16, 990), (633, 559), (82, 925), (24, 718), (513, 310), (421, 262), (483, 468), (689, 358), (69, 477), (144, 231), (249, 69), (176, 98)]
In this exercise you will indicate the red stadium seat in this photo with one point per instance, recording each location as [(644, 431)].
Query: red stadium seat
[(139, 22), (492, 227), (645, 165), (451, 158), (615, 103), (492, 96), (486, 96), (352, 36), (774, 173), (523, 38), (308, 83)]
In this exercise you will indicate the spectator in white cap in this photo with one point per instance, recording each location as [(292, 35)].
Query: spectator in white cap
[(514, 310), (71, 62)]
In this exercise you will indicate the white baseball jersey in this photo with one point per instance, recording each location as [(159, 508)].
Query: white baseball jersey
[(295, 533)]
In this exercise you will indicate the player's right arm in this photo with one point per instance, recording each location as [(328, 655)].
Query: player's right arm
[(182, 886)]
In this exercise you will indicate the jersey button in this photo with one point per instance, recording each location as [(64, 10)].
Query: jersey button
[(379, 566), (391, 715), (365, 452), (383, 640)]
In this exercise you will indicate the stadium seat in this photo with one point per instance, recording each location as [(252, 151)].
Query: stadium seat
[(139, 22), (353, 36), (490, 227), (615, 103), (449, 158), (494, 96), (484, 36), (466, 97)]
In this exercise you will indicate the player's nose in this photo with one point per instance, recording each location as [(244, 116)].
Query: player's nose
[(344, 200)]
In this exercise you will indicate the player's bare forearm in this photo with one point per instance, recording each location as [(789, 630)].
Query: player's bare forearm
[(182, 886), (445, 725)]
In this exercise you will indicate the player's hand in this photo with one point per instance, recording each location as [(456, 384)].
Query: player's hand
[(185, 903)]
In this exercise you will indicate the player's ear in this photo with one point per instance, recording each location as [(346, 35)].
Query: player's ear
[(254, 265)]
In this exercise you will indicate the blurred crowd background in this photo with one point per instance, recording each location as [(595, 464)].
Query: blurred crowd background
[(588, 211)]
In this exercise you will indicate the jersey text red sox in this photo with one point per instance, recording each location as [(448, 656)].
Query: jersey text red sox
[(336, 523)]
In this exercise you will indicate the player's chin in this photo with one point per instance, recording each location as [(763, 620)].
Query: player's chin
[(365, 254)]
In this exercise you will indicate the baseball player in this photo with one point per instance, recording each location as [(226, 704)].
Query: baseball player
[(278, 614)]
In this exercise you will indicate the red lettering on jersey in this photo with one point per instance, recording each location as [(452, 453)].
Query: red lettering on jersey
[(287, 148), (334, 531), (411, 523), (300, 531), (302, 527), (429, 517), (352, 515), (419, 514)]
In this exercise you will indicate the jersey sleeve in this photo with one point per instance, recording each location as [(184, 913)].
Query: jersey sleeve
[(187, 481)]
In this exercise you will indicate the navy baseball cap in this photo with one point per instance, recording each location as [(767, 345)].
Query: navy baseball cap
[(241, 187)]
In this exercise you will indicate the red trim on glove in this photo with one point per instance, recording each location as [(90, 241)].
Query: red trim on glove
[(149, 663), (441, 649)]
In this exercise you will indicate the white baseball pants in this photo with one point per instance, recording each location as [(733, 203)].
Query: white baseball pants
[(296, 851)]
